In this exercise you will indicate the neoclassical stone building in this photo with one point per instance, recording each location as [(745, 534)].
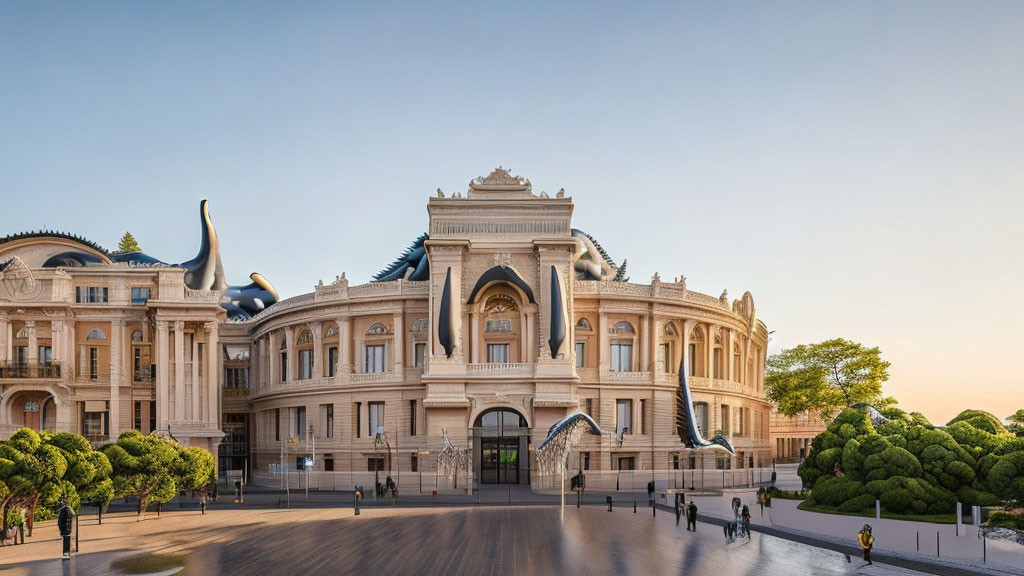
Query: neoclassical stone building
[(493, 325)]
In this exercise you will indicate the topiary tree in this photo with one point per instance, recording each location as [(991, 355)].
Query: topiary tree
[(128, 243), (1016, 421), (981, 420), (152, 469), (1006, 478)]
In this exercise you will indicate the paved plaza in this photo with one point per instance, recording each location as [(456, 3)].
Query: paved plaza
[(466, 540)]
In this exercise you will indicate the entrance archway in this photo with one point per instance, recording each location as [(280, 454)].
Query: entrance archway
[(33, 409), (502, 447)]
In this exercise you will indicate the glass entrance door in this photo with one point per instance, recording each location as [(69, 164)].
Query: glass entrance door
[(499, 460)]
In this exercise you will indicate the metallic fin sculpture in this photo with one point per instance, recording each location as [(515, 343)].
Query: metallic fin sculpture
[(557, 333), (412, 264), (445, 329), (562, 437), (244, 302), (71, 259), (576, 420), (205, 271), (876, 417), (686, 420)]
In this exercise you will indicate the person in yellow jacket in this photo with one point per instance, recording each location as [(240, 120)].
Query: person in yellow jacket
[(866, 541)]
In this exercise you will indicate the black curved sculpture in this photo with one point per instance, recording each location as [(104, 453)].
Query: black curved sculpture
[(445, 330), (205, 272), (686, 420), (566, 424), (557, 332), (412, 264), (71, 259), (244, 302), (501, 273), (136, 258)]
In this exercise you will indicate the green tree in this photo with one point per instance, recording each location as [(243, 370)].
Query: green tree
[(1016, 421), (824, 377), (128, 243), (152, 469)]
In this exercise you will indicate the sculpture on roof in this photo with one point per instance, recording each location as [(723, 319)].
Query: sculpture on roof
[(412, 264), (592, 262)]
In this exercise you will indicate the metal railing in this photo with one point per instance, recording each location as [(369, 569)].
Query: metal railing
[(26, 370)]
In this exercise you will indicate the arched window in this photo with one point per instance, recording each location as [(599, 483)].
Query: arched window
[(31, 406), (304, 338), (695, 354), (22, 333), (377, 328), (622, 328), (284, 344), (670, 330), (331, 332), (304, 348), (700, 412), (500, 303), (583, 324), (96, 334), (420, 325), (137, 336)]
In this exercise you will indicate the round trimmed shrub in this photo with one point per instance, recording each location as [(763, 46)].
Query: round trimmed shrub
[(862, 503)]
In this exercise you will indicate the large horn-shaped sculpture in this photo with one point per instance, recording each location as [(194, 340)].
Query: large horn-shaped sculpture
[(445, 329), (686, 420), (247, 301), (205, 271), (557, 332)]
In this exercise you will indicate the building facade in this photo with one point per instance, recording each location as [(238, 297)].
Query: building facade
[(498, 321)]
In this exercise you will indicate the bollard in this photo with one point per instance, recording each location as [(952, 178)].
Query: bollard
[(435, 497), (984, 548), (654, 509), (609, 500), (918, 540), (937, 554), (634, 505)]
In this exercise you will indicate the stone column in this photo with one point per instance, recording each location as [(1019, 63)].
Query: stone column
[(603, 351), (645, 344), (289, 339), (194, 401), (522, 334), (273, 357), (116, 362), (163, 361), (5, 337), (56, 342), (33, 342), (345, 345), (730, 369), (179, 371), (709, 351), (318, 349), (212, 374), (399, 353), (474, 337)]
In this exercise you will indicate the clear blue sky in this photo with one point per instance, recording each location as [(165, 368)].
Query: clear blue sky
[(856, 166)]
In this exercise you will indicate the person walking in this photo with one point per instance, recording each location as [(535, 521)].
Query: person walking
[(866, 541), (64, 516), (691, 517), (202, 499), (650, 493), (745, 519)]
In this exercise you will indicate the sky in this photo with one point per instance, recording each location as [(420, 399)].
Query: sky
[(856, 166)]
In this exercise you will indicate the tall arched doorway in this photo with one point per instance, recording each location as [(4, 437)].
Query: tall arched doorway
[(503, 444), (33, 409)]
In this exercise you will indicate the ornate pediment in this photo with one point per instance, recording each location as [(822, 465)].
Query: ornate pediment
[(502, 182)]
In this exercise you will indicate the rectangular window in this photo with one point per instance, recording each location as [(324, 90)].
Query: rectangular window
[(627, 463), (725, 418), (94, 363), (305, 364), (497, 353), (152, 416), (643, 416), (376, 410), (329, 419), (412, 417), (375, 464), (666, 355), (140, 295), (700, 412), (138, 416), (332, 360), (589, 407), (586, 460), (675, 461), (421, 352), (693, 359), (300, 422), (357, 408), (624, 417), (284, 366), (328, 462), (92, 426), (374, 358), (90, 294), (581, 354), (718, 362), (622, 356), (277, 423), (415, 463), (45, 355)]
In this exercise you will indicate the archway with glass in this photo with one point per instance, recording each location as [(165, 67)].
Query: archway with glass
[(501, 446)]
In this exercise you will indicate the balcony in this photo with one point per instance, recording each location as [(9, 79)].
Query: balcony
[(25, 370), (502, 369), (616, 376), (235, 392)]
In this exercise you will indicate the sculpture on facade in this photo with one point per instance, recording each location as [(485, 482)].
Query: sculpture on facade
[(686, 420), (592, 262), (412, 264), (562, 437), (445, 327), (557, 333)]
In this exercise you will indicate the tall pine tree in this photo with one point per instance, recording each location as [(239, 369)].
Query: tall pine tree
[(128, 243)]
